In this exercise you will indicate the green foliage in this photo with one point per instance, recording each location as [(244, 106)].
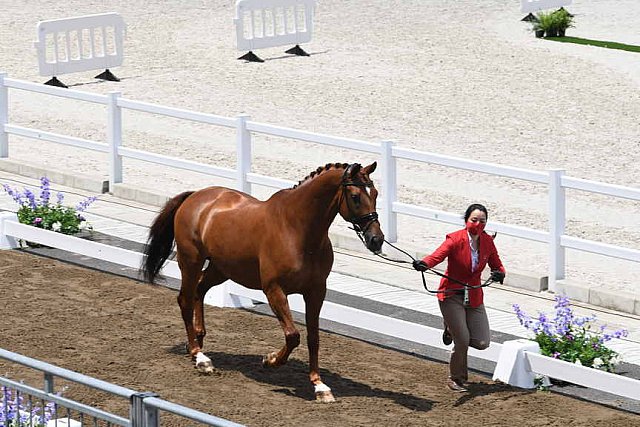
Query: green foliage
[(40, 212), (62, 219), (571, 338), (599, 43), (553, 22)]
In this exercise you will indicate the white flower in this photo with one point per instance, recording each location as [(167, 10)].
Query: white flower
[(56, 226), (597, 363), (578, 362)]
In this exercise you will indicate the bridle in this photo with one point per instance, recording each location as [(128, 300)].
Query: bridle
[(371, 217), (360, 223)]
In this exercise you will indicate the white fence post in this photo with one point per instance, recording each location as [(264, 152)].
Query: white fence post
[(114, 138), (389, 184), (243, 148), (4, 117), (6, 241), (557, 219)]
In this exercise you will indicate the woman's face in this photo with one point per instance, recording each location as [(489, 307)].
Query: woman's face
[(477, 216)]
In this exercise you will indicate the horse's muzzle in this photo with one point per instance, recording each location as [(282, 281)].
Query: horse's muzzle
[(374, 241)]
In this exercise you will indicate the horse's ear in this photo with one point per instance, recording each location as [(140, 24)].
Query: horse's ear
[(354, 169), (371, 168)]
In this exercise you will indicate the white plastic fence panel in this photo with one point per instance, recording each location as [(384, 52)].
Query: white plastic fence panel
[(80, 43), (268, 23), (581, 375), (528, 6)]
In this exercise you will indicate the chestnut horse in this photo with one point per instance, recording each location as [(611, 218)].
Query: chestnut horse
[(280, 245)]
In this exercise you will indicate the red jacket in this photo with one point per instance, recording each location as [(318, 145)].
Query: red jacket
[(458, 253)]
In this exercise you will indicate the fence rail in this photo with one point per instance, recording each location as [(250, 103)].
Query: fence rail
[(388, 153), (149, 404)]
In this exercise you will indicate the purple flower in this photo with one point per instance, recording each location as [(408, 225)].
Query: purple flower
[(45, 194), (15, 194), (83, 205), (555, 355), (60, 197), (31, 198), (16, 410), (522, 317), (38, 220)]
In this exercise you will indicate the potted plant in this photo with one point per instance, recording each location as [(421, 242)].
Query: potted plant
[(545, 25), (537, 29), (552, 24), (42, 212), (572, 338), (563, 20)]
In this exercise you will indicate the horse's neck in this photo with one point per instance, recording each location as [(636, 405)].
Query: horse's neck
[(314, 205)]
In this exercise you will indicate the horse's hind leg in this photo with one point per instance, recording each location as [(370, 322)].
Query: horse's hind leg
[(210, 278), (280, 306), (190, 267)]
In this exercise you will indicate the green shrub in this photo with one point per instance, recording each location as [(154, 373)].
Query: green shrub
[(42, 213), (553, 23)]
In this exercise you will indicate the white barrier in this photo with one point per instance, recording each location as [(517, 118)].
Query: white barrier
[(516, 361), (268, 23), (528, 6), (555, 180), (80, 43)]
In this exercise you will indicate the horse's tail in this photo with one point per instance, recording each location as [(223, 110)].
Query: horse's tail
[(160, 242)]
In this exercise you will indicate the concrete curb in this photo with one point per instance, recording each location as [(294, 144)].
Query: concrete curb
[(82, 182)]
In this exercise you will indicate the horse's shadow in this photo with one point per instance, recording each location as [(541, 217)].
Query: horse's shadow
[(292, 380)]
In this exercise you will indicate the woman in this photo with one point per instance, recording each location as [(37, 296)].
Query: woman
[(468, 251)]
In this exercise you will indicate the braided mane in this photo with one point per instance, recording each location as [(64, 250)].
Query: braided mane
[(321, 169)]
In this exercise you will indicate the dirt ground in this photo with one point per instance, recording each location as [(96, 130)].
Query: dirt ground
[(131, 334)]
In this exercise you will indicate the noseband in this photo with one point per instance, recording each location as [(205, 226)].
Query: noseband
[(360, 223)]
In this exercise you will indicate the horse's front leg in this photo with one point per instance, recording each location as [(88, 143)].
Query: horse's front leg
[(313, 304), (280, 306)]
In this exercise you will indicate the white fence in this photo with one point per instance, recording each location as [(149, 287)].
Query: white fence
[(80, 43), (269, 23), (555, 180), (528, 6), (234, 295)]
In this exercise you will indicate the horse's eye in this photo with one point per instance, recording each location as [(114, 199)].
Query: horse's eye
[(355, 198)]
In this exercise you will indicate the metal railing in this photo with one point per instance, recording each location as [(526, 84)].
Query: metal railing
[(144, 407), (555, 179)]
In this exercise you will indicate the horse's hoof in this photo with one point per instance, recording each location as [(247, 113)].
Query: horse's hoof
[(269, 361), (325, 397), (203, 364), (205, 368)]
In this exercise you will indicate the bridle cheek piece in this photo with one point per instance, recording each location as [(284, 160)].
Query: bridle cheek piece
[(366, 219)]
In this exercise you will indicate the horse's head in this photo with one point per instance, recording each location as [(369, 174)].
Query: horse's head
[(358, 204)]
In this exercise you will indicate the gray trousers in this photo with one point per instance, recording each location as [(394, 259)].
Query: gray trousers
[(468, 327)]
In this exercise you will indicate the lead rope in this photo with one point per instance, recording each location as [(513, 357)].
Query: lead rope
[(487, 282)]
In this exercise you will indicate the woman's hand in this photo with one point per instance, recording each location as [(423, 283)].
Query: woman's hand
[(420, 265), (497, 276)]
